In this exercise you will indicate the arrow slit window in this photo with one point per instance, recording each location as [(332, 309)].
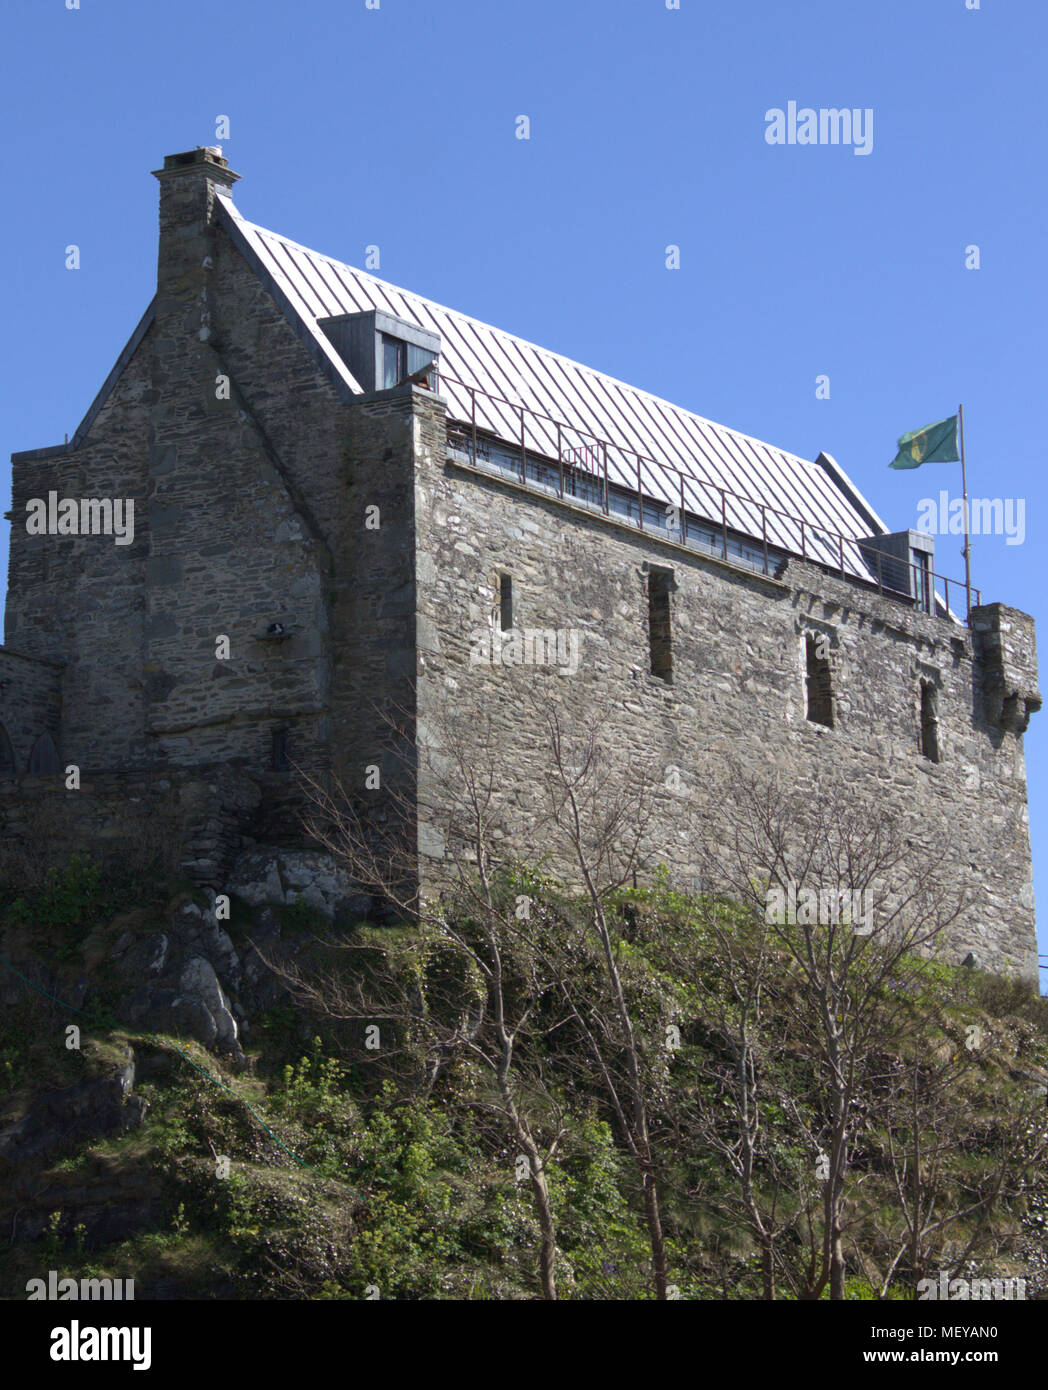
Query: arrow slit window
[(929, 732), (660, 638), (818, 681)]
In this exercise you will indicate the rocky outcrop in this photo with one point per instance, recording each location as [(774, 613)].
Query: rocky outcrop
[(282, 877), (109, 1204), (180, 991), (91, 1109), (191, 980)]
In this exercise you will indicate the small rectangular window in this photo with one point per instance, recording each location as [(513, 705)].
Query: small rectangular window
[(7, 755), (659, 630), (505, 602), (818, 680), (929, 735), (280, 757)]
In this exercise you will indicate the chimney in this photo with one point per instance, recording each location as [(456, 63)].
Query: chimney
[(189, 185)]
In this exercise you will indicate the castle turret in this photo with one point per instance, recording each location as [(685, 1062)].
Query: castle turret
[(1005, 644)]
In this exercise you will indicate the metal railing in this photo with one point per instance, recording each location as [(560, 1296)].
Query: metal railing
[(579, 472)]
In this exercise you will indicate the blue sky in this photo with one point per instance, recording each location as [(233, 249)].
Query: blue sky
[(396, 126)]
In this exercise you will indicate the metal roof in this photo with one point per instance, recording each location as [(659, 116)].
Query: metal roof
[(590, 402)]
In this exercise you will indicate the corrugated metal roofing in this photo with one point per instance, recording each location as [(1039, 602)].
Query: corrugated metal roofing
[(588, 402)]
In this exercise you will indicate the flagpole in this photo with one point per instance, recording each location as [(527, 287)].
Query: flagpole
[(967, 537)]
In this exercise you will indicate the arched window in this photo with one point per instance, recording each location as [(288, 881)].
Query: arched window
[(43, 760), (7, 755)]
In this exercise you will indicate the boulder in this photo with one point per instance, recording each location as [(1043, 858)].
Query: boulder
[(200, 982), (193, 1005)]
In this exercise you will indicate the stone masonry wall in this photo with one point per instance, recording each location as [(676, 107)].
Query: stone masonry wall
[(348, 466), (262, 496), (231, 554), (737, 689), (29, 703), (80, 600), (1005, 643), (373, 701), (189, 821)]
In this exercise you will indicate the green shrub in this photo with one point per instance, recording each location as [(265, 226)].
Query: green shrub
[(68, 896)]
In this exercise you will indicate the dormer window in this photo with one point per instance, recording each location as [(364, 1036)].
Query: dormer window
[(382, 350), (902, 563)]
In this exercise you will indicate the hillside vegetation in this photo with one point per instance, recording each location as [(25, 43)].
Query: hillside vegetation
[(383, 1141)]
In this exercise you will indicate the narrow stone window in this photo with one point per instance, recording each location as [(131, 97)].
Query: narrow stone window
[(505, 602), (280, 757), (819, 680), (43, 760), (7, 755), (660, 639), (929, 737)]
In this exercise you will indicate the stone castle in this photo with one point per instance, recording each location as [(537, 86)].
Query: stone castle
[(303, 496)]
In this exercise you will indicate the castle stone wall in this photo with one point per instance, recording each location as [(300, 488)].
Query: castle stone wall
[(30, 704), (189, 822), (81, 599), (737, 691), (231, 555), (347, 466), (354, 571)]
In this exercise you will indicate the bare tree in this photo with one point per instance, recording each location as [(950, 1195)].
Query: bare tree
[(468, 917), (724, 1113), (855, 907), (944, 1209), (591, 815), (599, 814)]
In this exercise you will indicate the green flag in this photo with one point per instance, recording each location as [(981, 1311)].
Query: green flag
[(934, 444)]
